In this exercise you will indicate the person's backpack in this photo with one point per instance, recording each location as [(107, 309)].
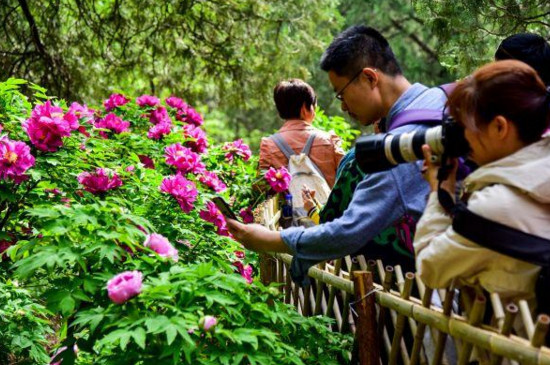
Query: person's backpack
[(303, 171)]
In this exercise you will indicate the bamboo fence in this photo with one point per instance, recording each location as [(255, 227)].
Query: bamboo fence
[(393, 326)]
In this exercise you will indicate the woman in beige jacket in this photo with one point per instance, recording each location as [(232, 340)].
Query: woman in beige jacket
[(504, 108)]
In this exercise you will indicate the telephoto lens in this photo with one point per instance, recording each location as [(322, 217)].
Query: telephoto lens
[(379, 152)]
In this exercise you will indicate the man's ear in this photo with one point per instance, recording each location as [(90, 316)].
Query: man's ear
[(372, 76)]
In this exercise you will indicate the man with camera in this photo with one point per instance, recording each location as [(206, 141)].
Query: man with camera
[(379, 217)]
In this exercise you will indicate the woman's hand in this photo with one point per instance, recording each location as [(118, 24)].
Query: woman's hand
[(308, 196), (256, 237), (430, 170)]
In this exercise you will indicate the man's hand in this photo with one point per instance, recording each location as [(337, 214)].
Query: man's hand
[(257, 238)]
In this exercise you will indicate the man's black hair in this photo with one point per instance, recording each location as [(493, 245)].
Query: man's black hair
[(529, 48), (291, 95), (356, 48)]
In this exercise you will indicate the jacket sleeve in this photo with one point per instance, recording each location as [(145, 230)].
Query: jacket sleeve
[(376, 204)]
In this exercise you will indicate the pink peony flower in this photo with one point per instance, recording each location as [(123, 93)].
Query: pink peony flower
[(279, 180), (4, 245), (245, 271), (183, 159), (100, 181), (54, 191), (189, 115), (159, 115), (47, 125), (183, 190), (246, 215), (112, 122), (213, 215), (114, 101), (130, 168), (212, 180), (15, 158), (81, 111), (147, 100), (196, 138), (161, 245), (208, 323), (147, 162), (176, 103), (237, 148), (240, 254), (159, 130), (124, 286)]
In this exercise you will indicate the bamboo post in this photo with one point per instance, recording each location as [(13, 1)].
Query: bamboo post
[(332, 290), (400, 323), (318, 309), (476, 316), (296, 296), (419, 337), (388, 276), (345, 314), (498, 309), (367, 338), (288, 285), (509, 317), (541, 329), (526, 317), (280, 271), (306, 309), (442, 336)]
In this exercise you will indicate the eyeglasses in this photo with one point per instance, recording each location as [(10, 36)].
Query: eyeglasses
[(340, 94)]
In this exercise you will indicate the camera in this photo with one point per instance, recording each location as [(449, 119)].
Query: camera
[(379, 152)]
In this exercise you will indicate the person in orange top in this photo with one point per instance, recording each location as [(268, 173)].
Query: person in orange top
[(295, 101)]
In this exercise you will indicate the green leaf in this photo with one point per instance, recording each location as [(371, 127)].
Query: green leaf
[(171, 334), (67, 305), (139, 336), (46, 212)]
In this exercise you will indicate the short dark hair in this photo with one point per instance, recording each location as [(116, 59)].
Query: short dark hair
[(290, 95), (509, 88), (356, 48), (529, 48)]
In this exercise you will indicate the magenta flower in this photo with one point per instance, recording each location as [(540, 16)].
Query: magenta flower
[(183, 190), (208, 323), (159, 115), (113, 122), (213, 215), (196, 138), (239, 254), (130, 168), (183, 159), (114, 101), (47, 125), (159, 130), (99, 181), (147, 161), (212, 180), (147, 100), (15, 158), (245, 271), (189, 115), (175, 103), (237, 148), (161, 245), (279, 180), (246, 215), (81, 111), (124, 286)]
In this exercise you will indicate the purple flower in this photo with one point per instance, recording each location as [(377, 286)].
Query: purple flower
[(147, 161), (208, 323), (195, 138), (189, 115), (183, 159), (245, 271), (124, 286), (81, 111), (159, 130), (114, 101), (246, 215), (147, 100), (159, 115), (113, 122), (183, 190), (161, 245), (47, 125), (213, 215), (175, 103), (279, 180), (100, 181), (212, 180), (15, 159), (237, 148)]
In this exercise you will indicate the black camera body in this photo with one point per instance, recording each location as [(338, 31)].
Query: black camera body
[(379, 152)]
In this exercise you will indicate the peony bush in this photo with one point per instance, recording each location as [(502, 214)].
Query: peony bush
[(109, 236)]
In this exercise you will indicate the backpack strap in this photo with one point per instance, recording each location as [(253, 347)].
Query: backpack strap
[(501, 238), (283, 146), (417, 116), (309, 143)]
